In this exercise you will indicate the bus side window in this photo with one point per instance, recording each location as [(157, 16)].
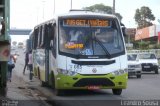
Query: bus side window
[(35, 39), (42, 37), (39, 36), (2, 27), (52, 38), (45, 36)]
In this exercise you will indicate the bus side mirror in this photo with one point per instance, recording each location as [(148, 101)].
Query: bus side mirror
[(2, 27), (123, 30)]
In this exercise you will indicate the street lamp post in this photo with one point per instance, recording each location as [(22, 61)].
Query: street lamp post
[(54, 7), (43, 8), (158, 33), (71, 4), (113, 10)]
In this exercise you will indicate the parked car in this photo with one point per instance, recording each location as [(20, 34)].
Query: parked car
[(149, 62), (134, 67)]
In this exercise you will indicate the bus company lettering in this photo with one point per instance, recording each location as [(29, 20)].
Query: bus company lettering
[(72, 45), (82, 22)]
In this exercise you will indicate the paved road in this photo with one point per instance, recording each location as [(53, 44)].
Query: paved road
[(146, 88), (20, 91)]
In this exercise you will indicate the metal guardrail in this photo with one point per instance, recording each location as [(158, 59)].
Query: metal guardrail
[(156, 51), (20, 31)]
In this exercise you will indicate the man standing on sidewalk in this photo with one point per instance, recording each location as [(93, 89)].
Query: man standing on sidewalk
[(30, 65), (26, 62)]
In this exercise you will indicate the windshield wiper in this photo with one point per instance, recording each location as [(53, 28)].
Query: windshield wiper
[(102, 46)]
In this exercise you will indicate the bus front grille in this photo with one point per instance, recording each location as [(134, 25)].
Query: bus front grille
[(93, 81)]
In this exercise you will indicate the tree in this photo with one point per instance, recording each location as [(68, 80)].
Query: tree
[(144, 45), (118, 15), (143, 17), (101, 8), (14, 43)]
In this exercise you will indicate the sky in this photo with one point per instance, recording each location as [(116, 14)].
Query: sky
[(28, 13)]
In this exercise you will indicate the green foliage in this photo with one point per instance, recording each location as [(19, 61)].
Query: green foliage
[(143, 45), (118, 15), (143, 17), (135, 45), (101, 8), (154, 46)]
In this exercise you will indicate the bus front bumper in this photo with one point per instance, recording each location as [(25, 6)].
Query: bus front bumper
[(107, 81)]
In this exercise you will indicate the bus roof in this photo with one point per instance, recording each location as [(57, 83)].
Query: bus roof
[(85, 12), (76, 13)]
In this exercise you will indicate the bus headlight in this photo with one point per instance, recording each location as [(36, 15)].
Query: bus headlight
[(119, 72), (115, 73), (72, 73), (62, 71), (66, 72), (155, 64)]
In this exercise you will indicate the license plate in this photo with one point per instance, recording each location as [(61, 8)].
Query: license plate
[(146, 66), (93, 87)]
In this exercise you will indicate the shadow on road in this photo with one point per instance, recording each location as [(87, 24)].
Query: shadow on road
[(84, 92)]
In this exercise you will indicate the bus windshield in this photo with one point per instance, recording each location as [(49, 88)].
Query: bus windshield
[(147, 56), (132, 57), (90, 37)]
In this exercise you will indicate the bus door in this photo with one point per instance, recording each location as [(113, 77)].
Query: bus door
[(50, 49)]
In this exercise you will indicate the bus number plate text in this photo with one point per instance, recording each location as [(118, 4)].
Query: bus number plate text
[(93, 87)]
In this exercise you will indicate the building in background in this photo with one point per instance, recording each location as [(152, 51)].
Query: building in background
[(130, 34), (151, 33)]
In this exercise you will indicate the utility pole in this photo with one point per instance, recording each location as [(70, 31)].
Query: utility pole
[(43, 8), (129, 34), (113, 10), (54, 8), (158, 32), (71, 4), (37, 14)]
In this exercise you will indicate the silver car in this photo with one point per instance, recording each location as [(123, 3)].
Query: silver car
[(134, 67)]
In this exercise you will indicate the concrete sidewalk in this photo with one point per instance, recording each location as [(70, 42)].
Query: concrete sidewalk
[(21, 89), (18, 88)]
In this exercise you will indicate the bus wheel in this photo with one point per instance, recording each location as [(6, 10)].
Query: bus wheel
[(52, 80), (3, 91), (59, 92), (156, 71), (43, 84), (138, 76), (117, 91), (38, 73)]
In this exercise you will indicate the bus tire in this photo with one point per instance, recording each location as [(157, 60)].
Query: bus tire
[(52, 80), (38, 72), (59, 92), (117, 91), (138, 76), (3, 91), (43, 84), (156, 71)]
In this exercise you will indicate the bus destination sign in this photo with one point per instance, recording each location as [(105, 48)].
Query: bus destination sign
[(86, 22)]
